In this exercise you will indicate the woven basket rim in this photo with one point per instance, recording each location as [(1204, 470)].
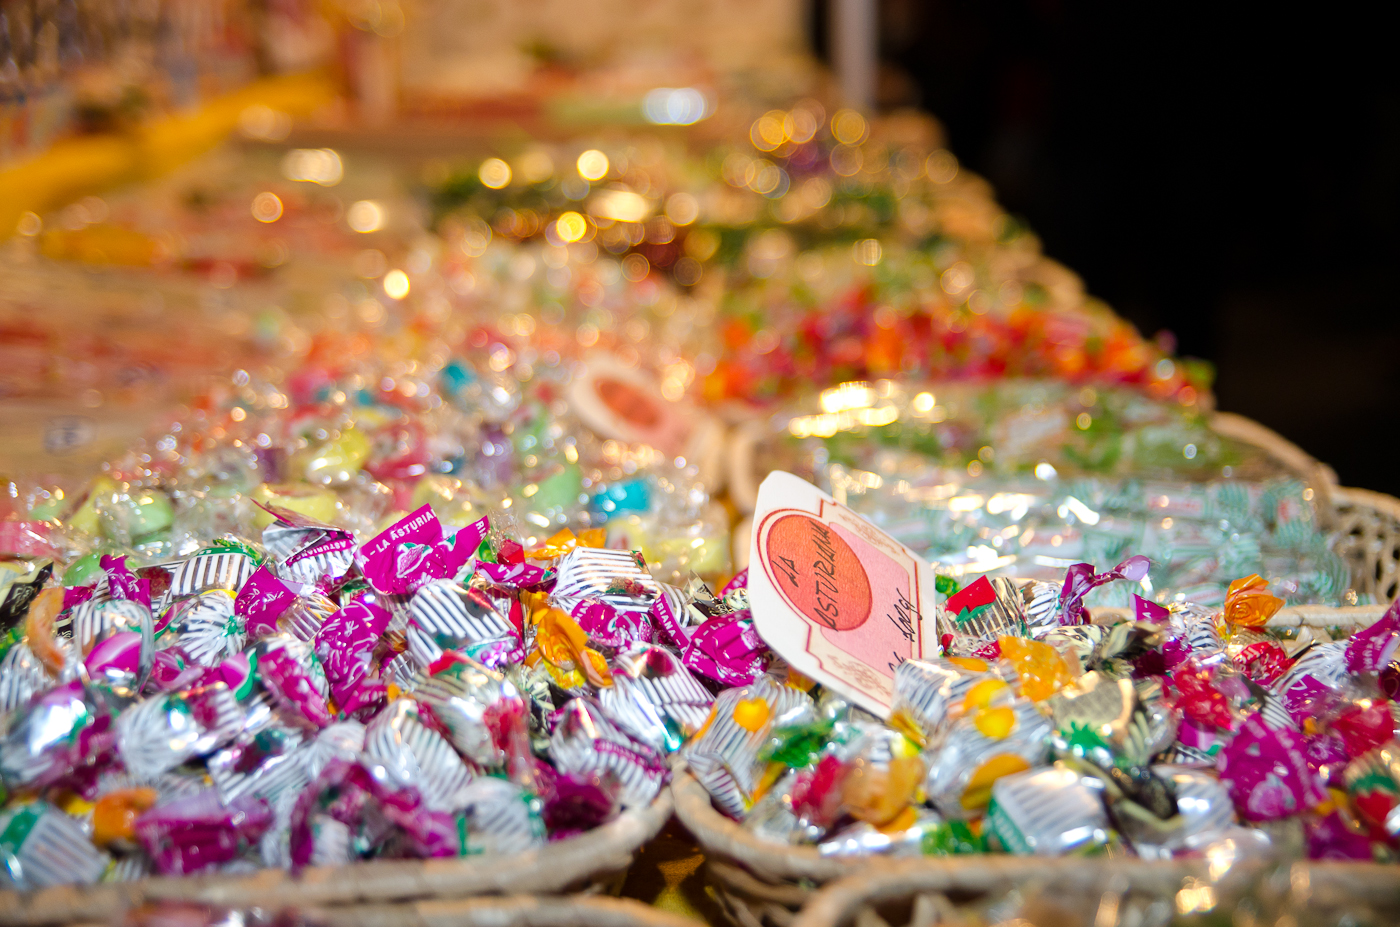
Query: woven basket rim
[(554, 867), (507, 911), (837, 901), (723, 836)]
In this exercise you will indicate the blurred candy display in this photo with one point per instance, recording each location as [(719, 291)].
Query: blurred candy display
[(1025, 478), (1169, 733), (118, 309), (831, 249)]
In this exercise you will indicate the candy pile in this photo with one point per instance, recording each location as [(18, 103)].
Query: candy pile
[(367, 616), (1036, 732)]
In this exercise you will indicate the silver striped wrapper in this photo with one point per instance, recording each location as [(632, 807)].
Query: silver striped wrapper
[(42, 846), (275, 845), (1134, 731), (418, 756), (682, 607), (306, 554), (100, 595), (1273, 713), (21, 676), (1084, 640), (1325, 663), (1180, 754), (585, 742), (1047, 812), (965, 749), (1195, 625), (1004, 615), (533, 683), (344, 739), (171, 785), (304, 617), (1094, 701), (205, 628), (864, 839), (404, 671), (445, 615), (460, 695), (130, 868), (772, 818), (225, 570), (930, 693), (873, 743), (1040, 602), (1204, 813), (499, 817), (276, 761), (311, 567), (36, 741), (618, 577), (94, 622), (331, 841), (163, 731), (724, 758), (655, 698), (283, 540)]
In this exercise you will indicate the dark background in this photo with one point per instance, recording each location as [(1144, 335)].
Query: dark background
[(1235, 181)]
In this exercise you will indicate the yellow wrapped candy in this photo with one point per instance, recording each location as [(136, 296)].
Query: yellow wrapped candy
[(563, 645), (1041, 669), (878, 796)]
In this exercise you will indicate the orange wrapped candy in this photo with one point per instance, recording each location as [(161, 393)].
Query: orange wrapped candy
[(1248, 604), (114, 816)]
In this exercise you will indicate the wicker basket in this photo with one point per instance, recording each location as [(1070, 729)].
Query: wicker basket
[(762, 883), (590, 862), (916, 892), (514, 911), (1365, 524)]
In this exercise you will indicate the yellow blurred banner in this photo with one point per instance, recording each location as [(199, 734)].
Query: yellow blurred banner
[(79, 166)]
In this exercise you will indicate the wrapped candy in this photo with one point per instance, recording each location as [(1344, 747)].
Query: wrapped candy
[(499, 817), (414, 753), (59, 733), (996, 737), (1048, 812), (41, 846), (446, 615), (484, 714), (585, 742), (724, 755), (654, 698), (353, 810), (161, 733), (194, 833)]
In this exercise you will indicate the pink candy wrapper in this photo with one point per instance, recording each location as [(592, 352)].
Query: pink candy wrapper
[(416, 550), (345, 645), (1372, 649), (350, 806), (261, 601), (1267, 772), (1081, 579), (192, 834)]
